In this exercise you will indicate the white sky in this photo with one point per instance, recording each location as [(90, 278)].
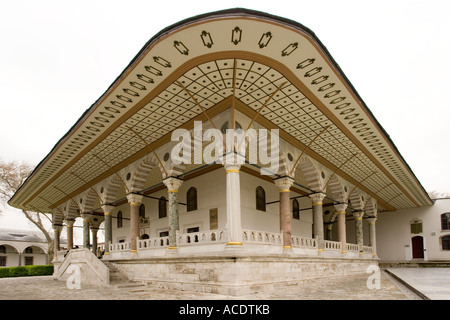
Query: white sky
[(58, 57)]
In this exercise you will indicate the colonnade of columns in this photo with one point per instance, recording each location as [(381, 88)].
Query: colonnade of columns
[(233, 213)]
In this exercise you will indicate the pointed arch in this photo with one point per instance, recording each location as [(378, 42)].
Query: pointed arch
[(88, 200), (110, 188), (338, 189), (140, 174), (357, 199), (312, 173)]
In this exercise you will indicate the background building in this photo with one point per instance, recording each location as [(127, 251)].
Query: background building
[(22, 247)]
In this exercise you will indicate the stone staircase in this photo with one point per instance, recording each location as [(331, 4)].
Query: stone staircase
[(118, 279)]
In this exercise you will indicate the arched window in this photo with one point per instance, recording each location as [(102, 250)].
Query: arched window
[(295, 209), (3, 249), (29, 250), (445, 243), (119, 219), (162, 207), (191, 199), (260, 199), (445, 221), (142, 211)]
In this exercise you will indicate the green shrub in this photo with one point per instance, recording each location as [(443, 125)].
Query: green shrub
[(40, 270), (18, 272), (4, 272), (25, 271)]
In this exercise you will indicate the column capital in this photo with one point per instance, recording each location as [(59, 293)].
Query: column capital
[(317, 197), (108, 209), (86, 217), (134, 198), (341, 207), (69, 222), (172, 184), (232, 168), (358, 215), (284, 183), (372, 220), (57, 227)]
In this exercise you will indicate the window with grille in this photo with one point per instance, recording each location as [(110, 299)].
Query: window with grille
[(260, 199), (416, 227), (445, 221), (191, 199)]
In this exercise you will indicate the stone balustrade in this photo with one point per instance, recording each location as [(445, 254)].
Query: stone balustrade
[(253, 237), (201, 237), (263, 237), (332, 245), (351, 247), (158, 242), (120, 246), (304, 242)]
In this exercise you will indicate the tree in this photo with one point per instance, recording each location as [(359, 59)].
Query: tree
[(12, 175)]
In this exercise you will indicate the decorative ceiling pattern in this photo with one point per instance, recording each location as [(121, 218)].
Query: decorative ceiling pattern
[(208, 59)]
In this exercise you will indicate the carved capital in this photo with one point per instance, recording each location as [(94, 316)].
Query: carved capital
[(172, 184), (107, 209), (317, 198), (57, 227), (358, 215), (69, 222), (284, 183), (86, 217), (232, 168), (340, 207), (134, 198)]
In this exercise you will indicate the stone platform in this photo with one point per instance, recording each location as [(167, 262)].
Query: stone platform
[(236, 274)]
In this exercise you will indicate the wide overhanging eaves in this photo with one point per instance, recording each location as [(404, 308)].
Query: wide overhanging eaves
[(201, 53)]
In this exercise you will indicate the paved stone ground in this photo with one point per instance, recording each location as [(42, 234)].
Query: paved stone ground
[(339, 288)]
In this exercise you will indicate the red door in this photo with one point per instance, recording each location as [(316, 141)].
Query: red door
[(417, 247)]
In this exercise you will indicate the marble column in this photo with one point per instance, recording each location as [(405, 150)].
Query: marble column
[(135, 201), (359, 229), (372, 235), (233, 198), (173, 185), (284, 184), (69, 226), (108, 210), (342, 233), (94, 240), (318, 219), (86, 235), (56, 240)]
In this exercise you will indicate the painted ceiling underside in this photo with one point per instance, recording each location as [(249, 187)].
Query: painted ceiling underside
[(208, 58)]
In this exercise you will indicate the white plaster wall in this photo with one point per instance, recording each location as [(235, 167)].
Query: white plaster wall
[(394, 233)]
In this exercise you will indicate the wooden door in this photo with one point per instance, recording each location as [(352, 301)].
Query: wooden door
[(417, 247)]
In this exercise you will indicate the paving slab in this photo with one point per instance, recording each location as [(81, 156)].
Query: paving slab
[(352, 287), (431, 283)]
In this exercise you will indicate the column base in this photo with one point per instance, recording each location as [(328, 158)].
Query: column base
[(287, 250), (234, 246), (172, 250)]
